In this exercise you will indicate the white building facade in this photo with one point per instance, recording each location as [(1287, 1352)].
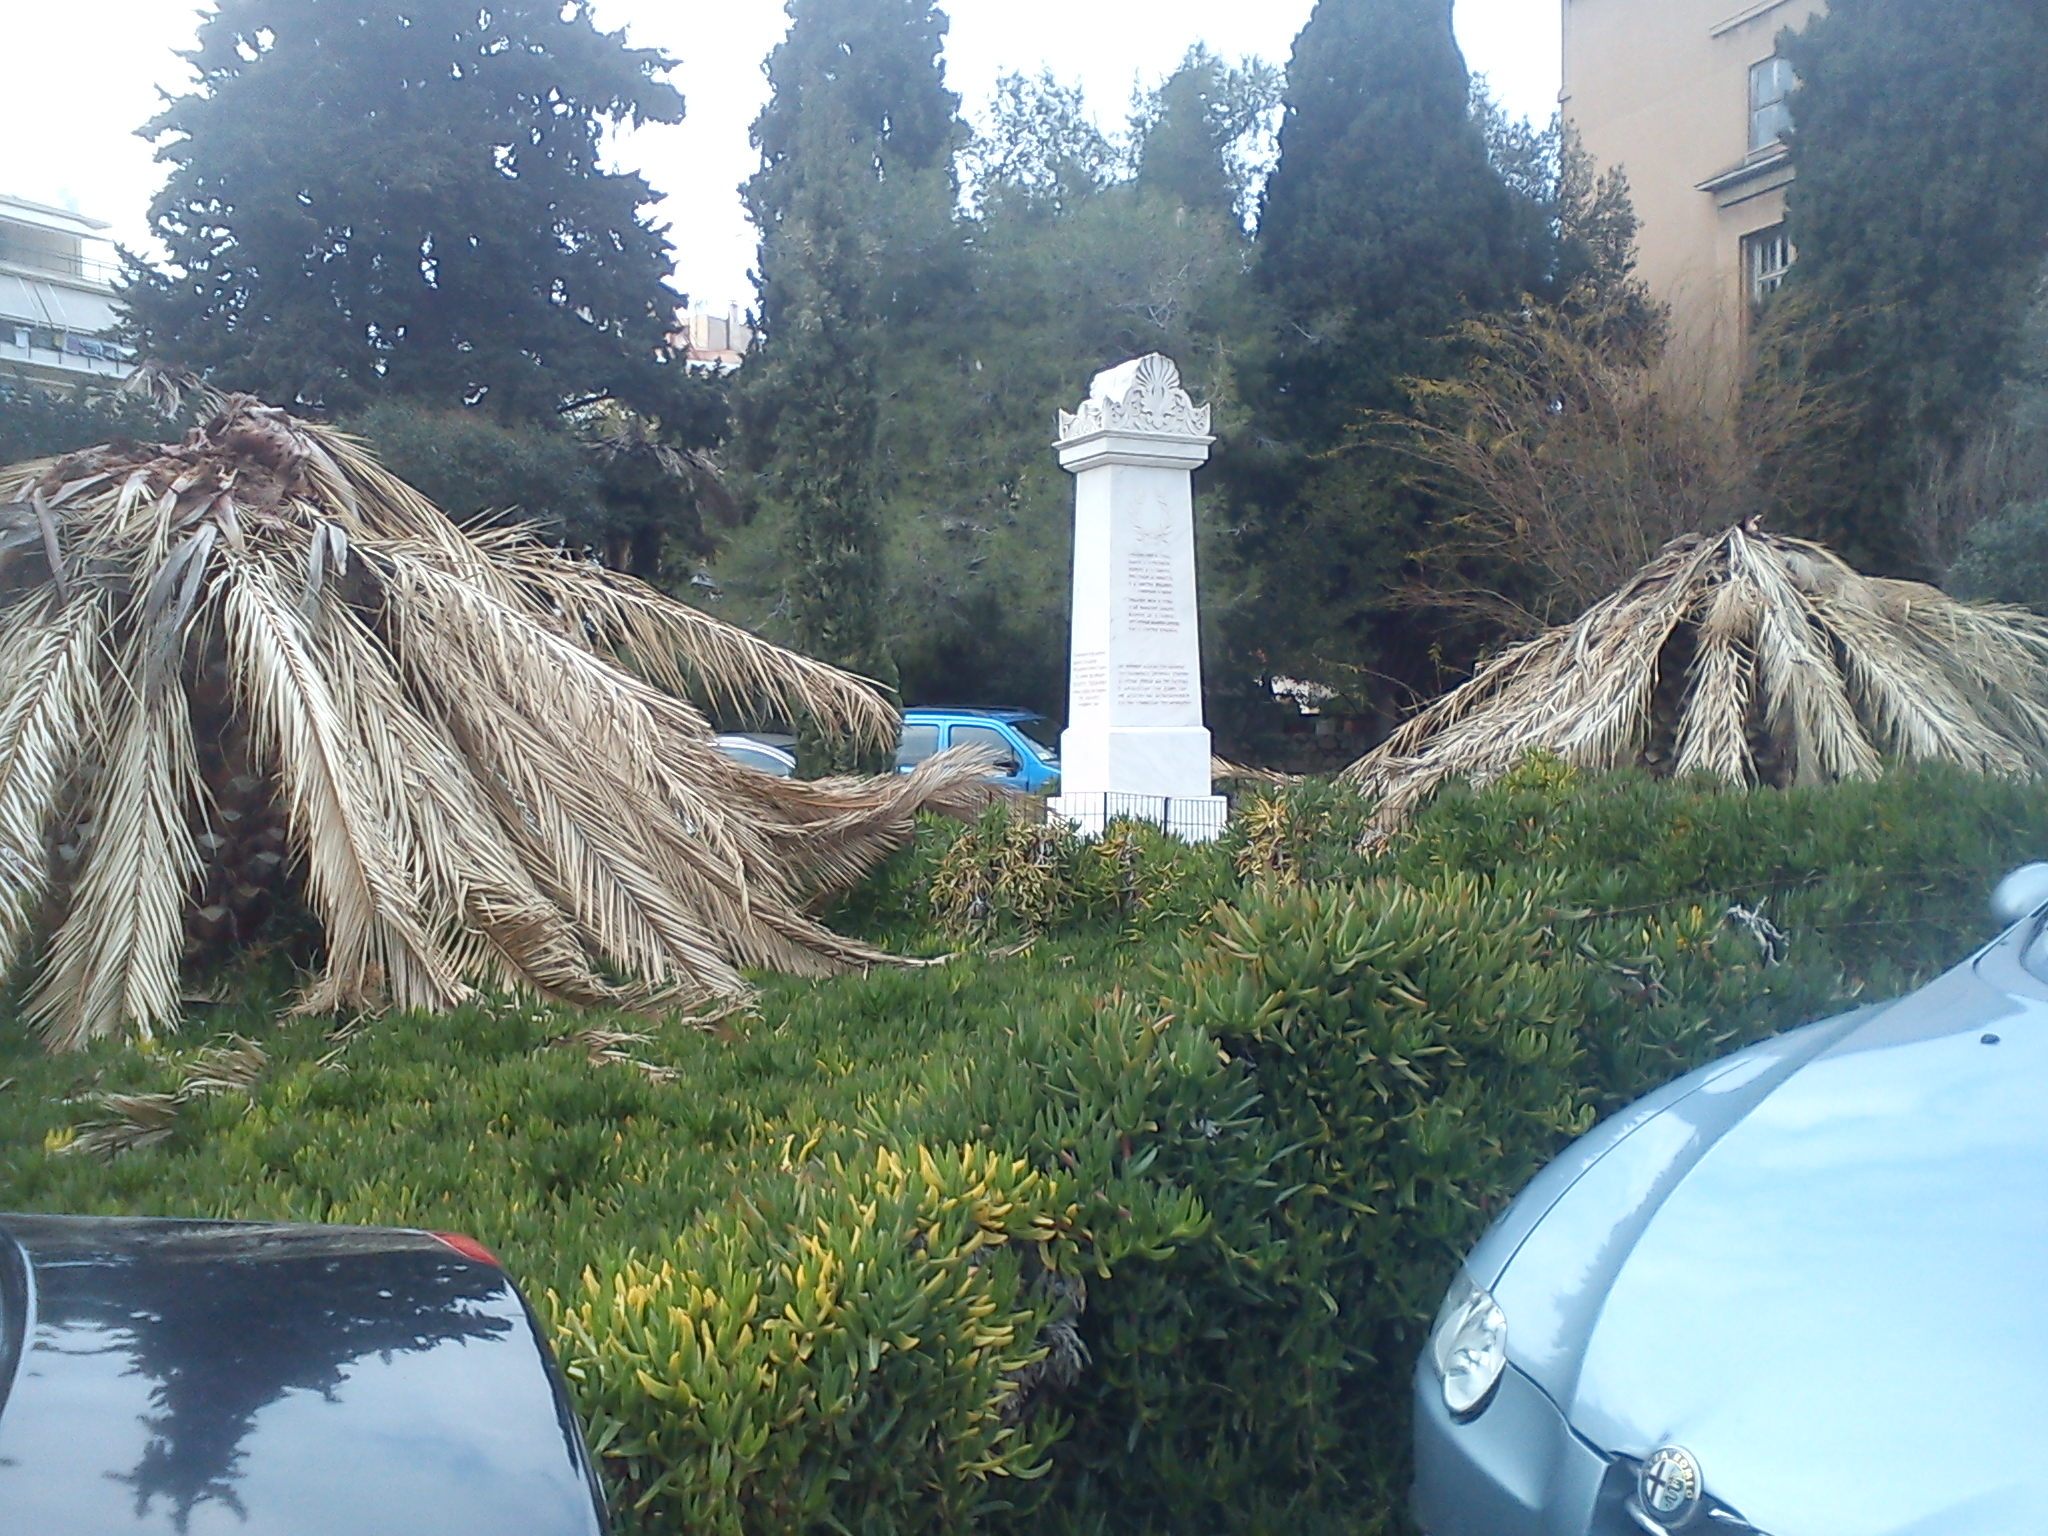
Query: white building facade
[(57, 273)]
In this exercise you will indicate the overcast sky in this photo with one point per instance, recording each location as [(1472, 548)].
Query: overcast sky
[(86, 73)]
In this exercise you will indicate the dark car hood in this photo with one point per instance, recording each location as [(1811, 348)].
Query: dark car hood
[(203, 1377), (1822, 1272)]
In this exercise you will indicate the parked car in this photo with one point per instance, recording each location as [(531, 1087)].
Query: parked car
[(1026, 744), (194, 1377), (753, 752), (1798, 1292)]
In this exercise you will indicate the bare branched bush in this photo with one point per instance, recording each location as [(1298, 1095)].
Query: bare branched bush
[(1576, 444)]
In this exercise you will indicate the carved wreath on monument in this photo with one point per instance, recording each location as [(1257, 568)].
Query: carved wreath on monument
[(1152, 402)]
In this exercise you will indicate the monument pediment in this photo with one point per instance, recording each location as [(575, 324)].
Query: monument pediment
[(1142, 397)]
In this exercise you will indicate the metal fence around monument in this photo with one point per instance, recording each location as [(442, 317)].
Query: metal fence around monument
[(1195, 818)]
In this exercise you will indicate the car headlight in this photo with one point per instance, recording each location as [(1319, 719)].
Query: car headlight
[(1468, 1347)]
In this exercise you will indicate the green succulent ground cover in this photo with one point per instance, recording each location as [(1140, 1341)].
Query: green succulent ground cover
[(1127, 1218)]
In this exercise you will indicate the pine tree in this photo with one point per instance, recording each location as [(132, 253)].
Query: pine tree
[(1920, 216), (404, 197), (860, 253)]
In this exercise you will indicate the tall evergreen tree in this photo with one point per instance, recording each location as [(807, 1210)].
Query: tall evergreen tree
[(1198, 139), (860, 252), (1383, 225), (1041, 149), (1920, 216), (404, 197), (1067, 266)]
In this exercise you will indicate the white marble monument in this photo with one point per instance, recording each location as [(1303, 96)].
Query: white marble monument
[(1135, 744)]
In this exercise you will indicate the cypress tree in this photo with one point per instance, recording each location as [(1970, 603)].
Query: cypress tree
[(1383, 225), (1920, 217), (1193, 137), (1384, 222), (859, 245)]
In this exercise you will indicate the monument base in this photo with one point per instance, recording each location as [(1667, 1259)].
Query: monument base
[(1191, 818), (1169, 760)]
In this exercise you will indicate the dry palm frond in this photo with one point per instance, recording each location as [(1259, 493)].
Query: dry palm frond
[(608, 1048), (1223, 771), (680, 648), (131, 1121), (1748, 657), (171, 390), (479, 761), (620, 435), (115, 954), (52, 695), (1713, 735)]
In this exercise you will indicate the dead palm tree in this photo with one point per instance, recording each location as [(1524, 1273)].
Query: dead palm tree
[(255, 659), (1747, 657)]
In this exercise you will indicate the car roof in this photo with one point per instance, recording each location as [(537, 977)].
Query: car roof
[(756, 743), (927, 712)]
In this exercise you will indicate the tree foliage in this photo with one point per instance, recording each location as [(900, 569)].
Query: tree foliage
[(1198, 140), (1041, 147), (897, 418), (1384, 226), (1921, 218), (35, 421), (373, 197), (1383, 223), (473, 467), (1983, 512), (859, 252)]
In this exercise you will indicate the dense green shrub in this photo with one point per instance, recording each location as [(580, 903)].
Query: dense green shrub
[(2004, 559), (865, 1313), (1397, 1062), (1135, 1229), (35, 421), (1013, 873)]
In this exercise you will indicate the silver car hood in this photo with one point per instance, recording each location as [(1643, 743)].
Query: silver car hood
[(1822, 1268)]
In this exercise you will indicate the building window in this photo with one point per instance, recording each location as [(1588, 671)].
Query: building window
[(1770, 103), (1768, 257)]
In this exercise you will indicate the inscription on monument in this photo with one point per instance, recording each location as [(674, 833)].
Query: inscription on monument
[(1150, 608), (1089, 680), (1140, 682)]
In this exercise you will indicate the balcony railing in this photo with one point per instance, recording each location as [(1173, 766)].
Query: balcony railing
[(89, 269), (83, 349)]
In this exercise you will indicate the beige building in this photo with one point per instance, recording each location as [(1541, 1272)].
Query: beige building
[(1690, 99), (717, 342)]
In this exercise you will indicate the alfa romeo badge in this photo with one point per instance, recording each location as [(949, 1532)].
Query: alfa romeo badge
[(1669, 1485)]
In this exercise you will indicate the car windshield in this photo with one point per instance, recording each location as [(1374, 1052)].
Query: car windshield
[(2034, 953), (1039, 731)]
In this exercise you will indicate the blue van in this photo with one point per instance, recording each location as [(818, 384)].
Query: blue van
[(1025, 744)]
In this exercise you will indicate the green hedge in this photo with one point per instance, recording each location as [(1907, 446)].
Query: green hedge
[(1127, 1220)]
